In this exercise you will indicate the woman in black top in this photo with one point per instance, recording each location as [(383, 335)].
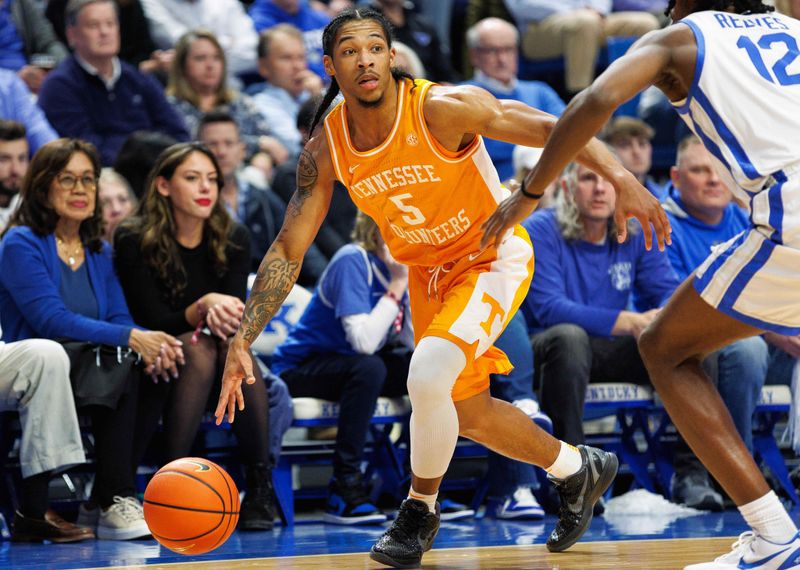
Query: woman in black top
[(183, 265)]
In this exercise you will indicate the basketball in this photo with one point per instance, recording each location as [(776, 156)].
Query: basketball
[(191, 505)]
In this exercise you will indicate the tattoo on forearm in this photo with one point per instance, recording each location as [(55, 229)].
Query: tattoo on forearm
[(275, 279), (306, 180)]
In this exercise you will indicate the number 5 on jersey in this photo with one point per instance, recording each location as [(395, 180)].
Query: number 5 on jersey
[(413, 216)]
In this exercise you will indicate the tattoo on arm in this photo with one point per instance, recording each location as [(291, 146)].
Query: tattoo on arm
[(273, 283), (307, 173)]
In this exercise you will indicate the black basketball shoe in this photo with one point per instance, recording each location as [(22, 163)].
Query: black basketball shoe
[(579, 493), (410, 536)]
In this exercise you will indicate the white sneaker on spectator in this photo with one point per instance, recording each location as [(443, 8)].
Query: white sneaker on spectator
[(531, 408), (123, 520), (754, 552), (88, 517), (521, 505)]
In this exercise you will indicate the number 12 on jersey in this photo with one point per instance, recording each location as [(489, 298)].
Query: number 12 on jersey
[(779, 68)]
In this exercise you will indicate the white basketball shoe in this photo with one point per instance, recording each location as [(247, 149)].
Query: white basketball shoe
[(752, 552)]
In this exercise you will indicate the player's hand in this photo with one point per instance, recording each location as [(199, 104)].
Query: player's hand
[(634, 201), (509, 213), (238, 367)]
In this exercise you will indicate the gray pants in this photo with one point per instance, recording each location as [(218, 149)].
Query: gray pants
[(34, 380)]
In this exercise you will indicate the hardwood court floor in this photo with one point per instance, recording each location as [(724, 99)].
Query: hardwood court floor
[(661, 554)]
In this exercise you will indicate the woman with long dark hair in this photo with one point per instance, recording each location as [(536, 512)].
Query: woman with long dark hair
[(183, 264)]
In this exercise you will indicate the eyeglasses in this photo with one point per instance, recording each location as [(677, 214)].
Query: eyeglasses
[(68, 182), (499, 50)]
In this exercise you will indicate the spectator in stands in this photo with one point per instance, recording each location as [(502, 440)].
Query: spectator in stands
[(16, 104), (28, 44), (183, 265), (282, 62), (269, 13), (13, 166), (57, 281), (631, 140), (34, 381), (418, 33), (117, 200), (332, 7), (247, 198), (94, 96), (352, 344), (493, 45), (577, 307), (334, 233), (137, 156), (575, 30), (406, 59), (226, 19), (702, 215), (197, 85), (136, 44)]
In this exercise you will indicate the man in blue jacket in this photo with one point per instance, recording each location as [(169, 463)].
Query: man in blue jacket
[(494, 51), (94, 96), (579, 303)]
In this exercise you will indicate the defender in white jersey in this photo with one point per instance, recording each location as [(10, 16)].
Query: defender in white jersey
[(732, 70)]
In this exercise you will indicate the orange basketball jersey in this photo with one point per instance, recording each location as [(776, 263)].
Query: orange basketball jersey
[(428, 202)]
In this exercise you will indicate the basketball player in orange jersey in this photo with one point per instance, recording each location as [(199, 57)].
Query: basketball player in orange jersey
[(412, 157)]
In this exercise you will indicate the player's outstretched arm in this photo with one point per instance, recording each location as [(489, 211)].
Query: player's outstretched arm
[(278, 270), (651, 60)]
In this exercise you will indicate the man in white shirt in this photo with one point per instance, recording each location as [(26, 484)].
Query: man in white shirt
[(170, 19)]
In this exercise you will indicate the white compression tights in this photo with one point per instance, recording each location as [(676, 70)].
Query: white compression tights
[(434, 369)]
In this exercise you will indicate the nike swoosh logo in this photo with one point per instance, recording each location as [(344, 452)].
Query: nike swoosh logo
[(200, 466), (474, 256), (756, 563), (352, 169)]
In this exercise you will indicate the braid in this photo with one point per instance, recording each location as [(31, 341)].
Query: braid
[(330, 95), (734, 6)]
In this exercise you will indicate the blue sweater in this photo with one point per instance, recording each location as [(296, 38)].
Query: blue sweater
[(78, 105), (587, 284), (536, 94), (692, 239), (30, 303)]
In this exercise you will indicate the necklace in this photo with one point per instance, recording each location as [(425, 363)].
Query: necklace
[(72, 258)]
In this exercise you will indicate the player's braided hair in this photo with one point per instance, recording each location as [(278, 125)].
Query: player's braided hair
[(328, 39), (735, 6)]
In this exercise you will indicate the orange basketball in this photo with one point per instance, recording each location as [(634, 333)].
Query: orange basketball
[(191, 505)]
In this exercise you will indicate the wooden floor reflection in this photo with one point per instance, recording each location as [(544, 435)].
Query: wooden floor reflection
[(663, 554)]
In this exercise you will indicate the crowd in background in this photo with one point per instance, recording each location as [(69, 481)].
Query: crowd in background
[(148, 151)]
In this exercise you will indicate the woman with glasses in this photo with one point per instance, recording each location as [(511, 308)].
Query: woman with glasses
[(57, 281)]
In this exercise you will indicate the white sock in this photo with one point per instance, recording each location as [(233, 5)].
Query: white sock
[(769, 519), (568, 462), (429, 500)]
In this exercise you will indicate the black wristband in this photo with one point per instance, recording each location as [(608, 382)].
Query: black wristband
[(529, 195)]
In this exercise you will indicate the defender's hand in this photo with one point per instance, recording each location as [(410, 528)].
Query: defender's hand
[(509, 213), (634, 201), (238, 367)]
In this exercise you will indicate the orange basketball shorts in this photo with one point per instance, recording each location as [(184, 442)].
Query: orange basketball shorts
[(469, 302)]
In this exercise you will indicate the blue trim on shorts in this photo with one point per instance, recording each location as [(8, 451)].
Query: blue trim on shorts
[(746, 274), (776, 207), (700, 283)]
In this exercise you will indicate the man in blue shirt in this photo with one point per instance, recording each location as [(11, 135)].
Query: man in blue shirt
[(17, 104), (282, 62), (703, 215), (578, 305), (94, 96), (493, 50)]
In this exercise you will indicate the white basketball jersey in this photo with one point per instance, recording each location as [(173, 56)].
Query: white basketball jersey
[(744, 102)]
